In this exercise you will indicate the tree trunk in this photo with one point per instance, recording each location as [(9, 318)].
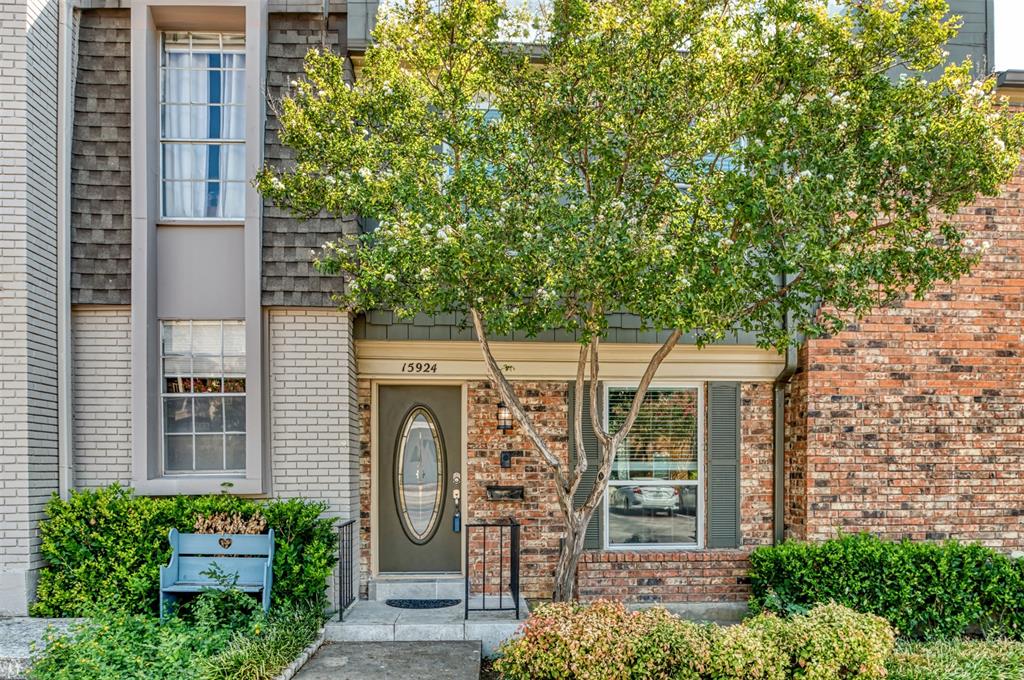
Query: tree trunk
[(568, 559)]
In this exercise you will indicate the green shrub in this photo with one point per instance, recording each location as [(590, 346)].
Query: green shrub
[(925, 590), (958, 660), (104, 548), (605, 640)]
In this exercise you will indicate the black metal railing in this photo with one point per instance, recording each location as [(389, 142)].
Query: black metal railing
[(505, 537), (346, 566)]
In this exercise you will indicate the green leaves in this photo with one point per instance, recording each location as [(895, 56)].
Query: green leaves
[(672, 160), (104, 548), (926, 590)]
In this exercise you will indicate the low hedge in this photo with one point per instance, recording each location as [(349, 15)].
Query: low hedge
[(605, 640), (104, 549), (926, 590)]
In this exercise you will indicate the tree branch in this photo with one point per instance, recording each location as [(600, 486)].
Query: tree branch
[(577, 422), (508, 395)]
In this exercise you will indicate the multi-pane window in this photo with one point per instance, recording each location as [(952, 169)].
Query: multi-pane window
[(203, 395), (654, 489), (202, 126)]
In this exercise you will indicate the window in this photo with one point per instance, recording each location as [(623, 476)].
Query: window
[(203, 398), (654, 494), (202, 123)]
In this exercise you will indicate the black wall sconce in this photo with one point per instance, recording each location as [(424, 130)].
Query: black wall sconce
[(504, 417)]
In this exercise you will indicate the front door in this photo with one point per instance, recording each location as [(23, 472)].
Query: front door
[(420, 468)]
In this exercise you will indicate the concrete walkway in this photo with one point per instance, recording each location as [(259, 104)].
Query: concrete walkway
[(438, 660), (16, 638)]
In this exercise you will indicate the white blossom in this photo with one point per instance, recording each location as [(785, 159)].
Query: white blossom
[(389, 277)]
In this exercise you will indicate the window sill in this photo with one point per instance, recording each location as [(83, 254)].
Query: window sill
[(199, 222), (196, 485)]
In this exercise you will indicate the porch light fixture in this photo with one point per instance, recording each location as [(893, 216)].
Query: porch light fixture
[(504, 417)]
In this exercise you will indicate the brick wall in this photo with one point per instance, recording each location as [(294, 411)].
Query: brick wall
[(631, 575), (313, 423), (28, 288), (538, 513), (101, 393), (914, 415)]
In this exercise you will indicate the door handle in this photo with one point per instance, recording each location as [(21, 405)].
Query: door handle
[(456, 499)]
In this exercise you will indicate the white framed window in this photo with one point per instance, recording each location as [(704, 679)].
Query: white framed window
[(202, 126), (655, 496), (202, 397)]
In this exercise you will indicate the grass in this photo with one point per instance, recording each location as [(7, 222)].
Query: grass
[(958, 660)]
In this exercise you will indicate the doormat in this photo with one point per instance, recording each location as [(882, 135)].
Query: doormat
[(421, 604)]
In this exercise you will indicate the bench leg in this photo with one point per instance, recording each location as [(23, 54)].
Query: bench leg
[(266, 600), (166, 600)]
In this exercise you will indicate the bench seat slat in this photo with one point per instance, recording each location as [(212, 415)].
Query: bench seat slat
[(248, 569), (206, 585)]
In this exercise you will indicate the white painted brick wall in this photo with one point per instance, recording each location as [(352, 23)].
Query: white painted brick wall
[(314, 419), (101, 385), (28, 296)]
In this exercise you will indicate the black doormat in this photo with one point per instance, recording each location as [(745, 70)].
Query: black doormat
[(421, 604)]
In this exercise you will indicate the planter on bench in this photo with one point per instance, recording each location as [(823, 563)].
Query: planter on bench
[(248, 559)]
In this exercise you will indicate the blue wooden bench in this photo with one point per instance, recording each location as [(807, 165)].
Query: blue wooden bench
[(246, 558)]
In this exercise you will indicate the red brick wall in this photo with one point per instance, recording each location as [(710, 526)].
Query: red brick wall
[(915, 415), (630, 575)]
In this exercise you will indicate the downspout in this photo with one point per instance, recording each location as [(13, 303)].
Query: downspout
[(779, 434), (65, 106)]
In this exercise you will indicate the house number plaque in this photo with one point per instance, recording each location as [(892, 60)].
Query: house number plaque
[(419, 367)]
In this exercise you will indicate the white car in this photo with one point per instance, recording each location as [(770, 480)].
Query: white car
[(649, 498)]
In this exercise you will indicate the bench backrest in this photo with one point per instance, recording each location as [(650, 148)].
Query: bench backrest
[(244, 555)]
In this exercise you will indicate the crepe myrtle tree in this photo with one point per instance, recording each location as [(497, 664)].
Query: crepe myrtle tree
[(707, 165)]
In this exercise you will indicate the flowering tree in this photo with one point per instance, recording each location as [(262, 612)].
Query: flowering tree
[(707, 165)]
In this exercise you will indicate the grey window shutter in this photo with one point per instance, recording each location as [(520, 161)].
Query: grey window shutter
[(593, 540), (723, 465)]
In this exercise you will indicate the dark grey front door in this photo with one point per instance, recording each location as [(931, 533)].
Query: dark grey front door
[(420, 450)]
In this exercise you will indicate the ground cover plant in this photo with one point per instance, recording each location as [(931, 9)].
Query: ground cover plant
[(605, 640), (218, 637), (706, 166), (958, 660), (927, 591), (104, 548)]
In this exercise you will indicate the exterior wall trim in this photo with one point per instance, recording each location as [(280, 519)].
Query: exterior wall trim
[(459, 360), (146, 216)]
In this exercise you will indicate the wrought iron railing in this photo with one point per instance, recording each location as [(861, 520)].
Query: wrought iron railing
[(346, 566), (504, 536)]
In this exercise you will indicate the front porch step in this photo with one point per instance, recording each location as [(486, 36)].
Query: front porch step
[(426, 587), (370, 621)]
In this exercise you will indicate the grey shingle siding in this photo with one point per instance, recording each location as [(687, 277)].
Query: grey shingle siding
[(288, 276), (622, 328), (101, 161)]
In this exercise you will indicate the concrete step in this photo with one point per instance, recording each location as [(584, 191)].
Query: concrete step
[(371, 621), (417, 587), (390, 660)]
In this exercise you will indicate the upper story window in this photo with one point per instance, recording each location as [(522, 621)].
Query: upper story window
[(202, 126), (203, 396), (655, 489)]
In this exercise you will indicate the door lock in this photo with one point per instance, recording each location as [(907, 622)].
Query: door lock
[(457, 498)]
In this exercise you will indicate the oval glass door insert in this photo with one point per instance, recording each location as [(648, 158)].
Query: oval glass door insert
[(420, 475)]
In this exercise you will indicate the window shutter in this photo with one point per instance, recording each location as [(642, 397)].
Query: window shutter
[(723, 465), (593, 540)]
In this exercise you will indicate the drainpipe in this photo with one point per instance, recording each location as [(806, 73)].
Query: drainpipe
[(65, 104), (779, 434)]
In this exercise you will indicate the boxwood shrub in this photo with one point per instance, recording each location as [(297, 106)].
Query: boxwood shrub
[(605, 640), (104, 548), (926, 590)]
